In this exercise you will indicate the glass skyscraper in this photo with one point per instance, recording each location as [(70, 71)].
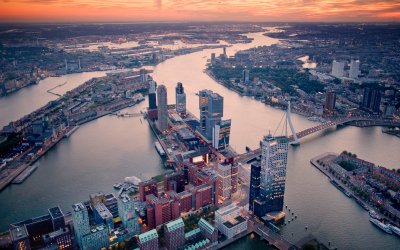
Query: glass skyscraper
[(211, 111)]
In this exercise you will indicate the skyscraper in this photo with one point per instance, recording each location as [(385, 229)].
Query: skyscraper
[(272, 176), (148, 240), (80, 220), (337, 68), (246, 76), (162, 121), (221, 134), (180, 98), (127, 214), (354, 69), (371, 100), (152, 110), (330, 101), (211, 111), (255, 182)]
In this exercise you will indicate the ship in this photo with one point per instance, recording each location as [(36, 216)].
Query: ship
[(160, 150), (347, 193), (381, 225), (395, 230), (25, 174)]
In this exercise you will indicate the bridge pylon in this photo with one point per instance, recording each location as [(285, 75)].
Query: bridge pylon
[(289, 120)]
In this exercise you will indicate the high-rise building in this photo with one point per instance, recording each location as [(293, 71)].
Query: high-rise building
[(146, 188), (175, 181), (80, 220), (371, 100), (148, 240), (97, 238), (221, 134), (211, 111), (255, 183), (162, 122), (246, 76), (354, 69), (224, 182), (57, 218), (272, 176), (103, 216), (174, 234), (180, 98), (330, 101), (152, 112), (127, 214), (337, 69)]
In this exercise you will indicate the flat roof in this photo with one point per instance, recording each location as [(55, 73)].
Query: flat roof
[(207, 226), (55, 212), (233, 222), (18, 233)]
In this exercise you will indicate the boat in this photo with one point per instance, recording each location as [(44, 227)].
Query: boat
[(25, 174), (395, 230), (374, 215), (381, 225), (160, 150)]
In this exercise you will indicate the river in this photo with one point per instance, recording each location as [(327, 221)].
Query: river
[(104, 151)]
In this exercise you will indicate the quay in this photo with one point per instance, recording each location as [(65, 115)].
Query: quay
[(316, 162)]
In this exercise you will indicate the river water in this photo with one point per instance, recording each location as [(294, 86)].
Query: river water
[(105, 151)]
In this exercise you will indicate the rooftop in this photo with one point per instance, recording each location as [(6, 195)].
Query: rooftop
[(174, 225), (205, 225), (18, 233), (227, 210), (233, 222), (193, 232), (103, 211), (55, 212), (78, 207), (147, 236)]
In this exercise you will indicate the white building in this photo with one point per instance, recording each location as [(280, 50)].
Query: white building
[(229, 222), (337, 69), (80, 220), (162, 122), (354, 69)]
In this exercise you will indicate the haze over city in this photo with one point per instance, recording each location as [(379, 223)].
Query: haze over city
[(194, 10)]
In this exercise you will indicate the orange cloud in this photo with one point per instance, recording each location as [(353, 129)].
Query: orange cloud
[(199, 10)]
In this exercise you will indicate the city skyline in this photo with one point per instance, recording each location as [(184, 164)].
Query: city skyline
[(176, 11)]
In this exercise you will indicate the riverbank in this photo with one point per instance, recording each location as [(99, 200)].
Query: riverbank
[(322, 163)]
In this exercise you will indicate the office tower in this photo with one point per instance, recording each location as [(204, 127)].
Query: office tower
[(152, 110), (213, 58), (330, 101), (273, 173), (337, 68), (80, 220), (57, 218), (148, 240), (127, 214), (146, 188), (180, 98), (152, 95), (234, 177), (211, 111), (162, 122), (143, 75), (371, 100), (246, 76), (354, 69), (221, 134), (208, 231), (174, 234), (97, 238), (255, 183), (20, 238), (96, 198)]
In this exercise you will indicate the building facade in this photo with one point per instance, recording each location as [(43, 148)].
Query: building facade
[(180, 98), (162, 122), (229, 221), (148, 240), (174, 234), (128, 215), (80, 220), (211, 111)]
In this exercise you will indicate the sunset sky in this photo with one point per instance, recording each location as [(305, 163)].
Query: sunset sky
[(198, 10)]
